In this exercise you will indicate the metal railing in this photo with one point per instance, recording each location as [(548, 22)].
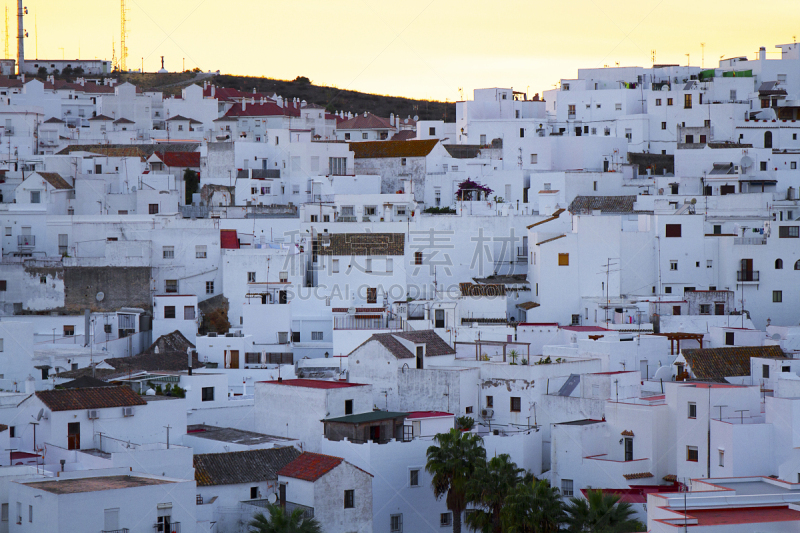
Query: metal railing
[(747, 275), (123, 530), (171, 527), (749, 240)]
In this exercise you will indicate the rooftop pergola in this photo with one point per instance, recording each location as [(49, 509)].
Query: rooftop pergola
[(679, 336), (504, 344)]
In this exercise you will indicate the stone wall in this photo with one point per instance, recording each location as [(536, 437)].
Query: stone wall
[(121, 287)]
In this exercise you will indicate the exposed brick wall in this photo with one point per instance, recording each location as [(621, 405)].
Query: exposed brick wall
[(121, 286)]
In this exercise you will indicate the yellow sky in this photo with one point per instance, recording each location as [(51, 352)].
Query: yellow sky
[(416, 48)]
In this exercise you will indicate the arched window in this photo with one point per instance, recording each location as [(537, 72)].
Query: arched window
[(778, 264), (767, 139), (797, 265)]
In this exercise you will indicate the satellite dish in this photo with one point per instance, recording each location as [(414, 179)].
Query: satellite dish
[(776, 336), (99, 296), (40, 414), (272, 498), (133, 189), (746, 162), (694, 201)]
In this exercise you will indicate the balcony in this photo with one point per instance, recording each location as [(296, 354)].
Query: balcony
[(123, 530), (522, 253), (747, 276), (26, 241)]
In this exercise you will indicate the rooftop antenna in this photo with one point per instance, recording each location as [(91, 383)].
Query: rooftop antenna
[(688, 59), (7, 57), (123, 33), (653, 57), (703, 55)]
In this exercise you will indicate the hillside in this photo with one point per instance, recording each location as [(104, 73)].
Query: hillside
[(329, 97)]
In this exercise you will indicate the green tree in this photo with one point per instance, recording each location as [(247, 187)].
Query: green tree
[(41, 73), (282, 521), (191, 181), (451, 463), (488, 487), (601, 513), (533, 507)]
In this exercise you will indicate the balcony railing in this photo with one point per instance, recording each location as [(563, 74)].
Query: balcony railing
[(749, 240), (171, 527), (522, 252), (747, 275), (26, 241), (123, 530)]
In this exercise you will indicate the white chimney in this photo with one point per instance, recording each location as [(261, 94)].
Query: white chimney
[(365, 114), (254, 90), (30, 385), (213, 90), (762, 53), (205, 84), (244, 103)]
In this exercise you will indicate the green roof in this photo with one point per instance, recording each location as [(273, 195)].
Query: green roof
[(372, 416)]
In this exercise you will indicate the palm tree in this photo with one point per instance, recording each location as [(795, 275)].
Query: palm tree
[(488, 488), (451, 464), (601, 513), (533, 507), (283, 521)]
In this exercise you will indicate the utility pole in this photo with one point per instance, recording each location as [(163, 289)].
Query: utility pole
[(703, 55)]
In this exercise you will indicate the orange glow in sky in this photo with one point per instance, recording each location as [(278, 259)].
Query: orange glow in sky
[(416, 48)]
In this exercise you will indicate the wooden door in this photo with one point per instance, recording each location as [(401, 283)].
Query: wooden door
[(74, 436), (234, 358)]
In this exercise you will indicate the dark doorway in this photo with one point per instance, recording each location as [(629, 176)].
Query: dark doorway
[(74, 436)]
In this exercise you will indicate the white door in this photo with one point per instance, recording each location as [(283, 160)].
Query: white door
[(643, 368), (111, 520)]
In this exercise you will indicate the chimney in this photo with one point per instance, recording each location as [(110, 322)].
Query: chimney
[(365, 114), (244, 103), (30, 385), (205, 84), (254, 90), (213, 90), (762, 53)]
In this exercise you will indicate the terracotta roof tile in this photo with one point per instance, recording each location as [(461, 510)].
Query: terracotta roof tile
[(368, 122), (181, 117), (715, 364), (94, 398), (434, 344), (180, 159), (241, 467), (310, 466), (349, 244), (228, 239), (55, 179), (384, 149), (640, 475)]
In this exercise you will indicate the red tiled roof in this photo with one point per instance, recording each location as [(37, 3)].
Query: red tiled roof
[(584, 328), (269, 109), (381, 149), (428, 414), (310, 466), (315, 383), (405, 135), (368, 122), (640, 475), (180, 159), (228, 239), (743, 515), (94, 398)]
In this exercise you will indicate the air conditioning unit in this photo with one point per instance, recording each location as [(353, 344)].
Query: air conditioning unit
[(127, 411), (93, 414), (487, 413)]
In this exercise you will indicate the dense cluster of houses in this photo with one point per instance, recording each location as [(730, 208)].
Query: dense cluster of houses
[(603, 278)]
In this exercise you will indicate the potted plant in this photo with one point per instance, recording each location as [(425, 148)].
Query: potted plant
[(465, 423), (513, 354)]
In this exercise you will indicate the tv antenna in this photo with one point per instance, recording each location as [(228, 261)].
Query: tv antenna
[(703, 55)]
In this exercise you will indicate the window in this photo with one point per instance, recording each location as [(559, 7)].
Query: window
[(489, 402), (516, 404), (468, 410), (779, 264), (396, 520), (168, 252), (521, 133), (403, 161), (188, 312), (669, 101), (691, 453), (348, 407), (349, 499), (69, 331), (251, 277), (169, 311), (346, 136), (618, 107), (705, 309), (687, 101), (8, 231), (777, 296), (207, 394), (566, 488), (663, 125), (667, 290), (762, 166), (30, 513), (43, 280), (563, 259), (365, 136), (368, 265), (765, 371), (209, 287), (19, 513), (389, 264), (483, 140), (534, 159), (253, 493), (722, 458), (692, 410), (4, 513), (153, 209), (658, 101), (316, 335), (372, 295), (337, 166), (283, 277), (413, 478), (690, 139), (446, 519), (789, 232), (673, 265), (576, 320), (793, 165), (326, 218), (729, 338), (335, 266), (36, 197), (171, 285), (672, 230), (369, 210), (417, 258)]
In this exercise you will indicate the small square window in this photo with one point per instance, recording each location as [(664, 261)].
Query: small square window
[(169, 252), (669, 101), (207, 394), (777, 296), (793, 165), (209, 287), (692, 410), (763, 165), (200, 251), (69, 331), (567, 488), (349, 499), (691, 453), (563, 259), (446, 519), (413, 477), (516, 404), (251, 277), (169, 311)]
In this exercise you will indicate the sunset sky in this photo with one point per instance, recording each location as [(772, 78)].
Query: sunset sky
[(416, 48)]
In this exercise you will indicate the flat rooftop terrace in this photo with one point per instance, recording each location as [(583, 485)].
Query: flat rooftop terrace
[(95, 484)]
